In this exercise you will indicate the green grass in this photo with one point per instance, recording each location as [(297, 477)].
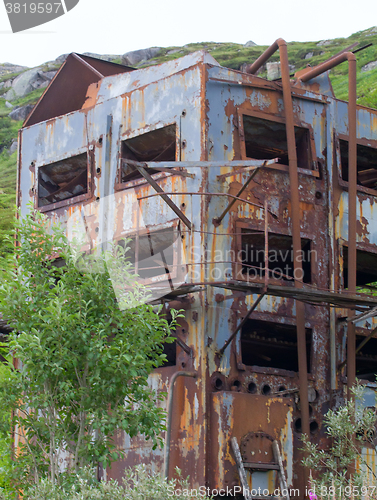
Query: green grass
[(234, 55), (8, 170), (8, 76)]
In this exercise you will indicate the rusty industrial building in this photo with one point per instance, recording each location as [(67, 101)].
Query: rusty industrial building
[(248, 203)]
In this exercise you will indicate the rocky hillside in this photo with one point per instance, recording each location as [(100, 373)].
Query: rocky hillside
[(21, 87)]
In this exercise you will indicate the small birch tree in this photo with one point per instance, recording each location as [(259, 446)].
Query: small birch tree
[(349, 428), (82, 359)]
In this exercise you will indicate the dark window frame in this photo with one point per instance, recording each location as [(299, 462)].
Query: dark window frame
[(90, 153), (121, 185), (359, 142), (162, 278), (367, 249), (271, 370), (237, 246), (361, 333), (314, 171)]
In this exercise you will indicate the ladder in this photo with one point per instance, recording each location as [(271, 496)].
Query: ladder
[(276, 465)]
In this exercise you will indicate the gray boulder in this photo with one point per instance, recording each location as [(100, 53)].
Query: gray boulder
[(47, 75), (23, 84), (173, 51), (13, 147), (138, 56), (274, 72), (324, 42), (372, 31), (27, 82), (369, 66), (309, 55), (21, 113), (8, 105), (61, 59), (43, 79), (250, 44), (10, 95)]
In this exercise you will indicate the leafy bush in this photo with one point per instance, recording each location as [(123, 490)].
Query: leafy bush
[(342, 465), (82, 352), (138, 484)]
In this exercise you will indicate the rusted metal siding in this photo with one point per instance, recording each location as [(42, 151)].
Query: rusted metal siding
[(207, 104), (254, 421)]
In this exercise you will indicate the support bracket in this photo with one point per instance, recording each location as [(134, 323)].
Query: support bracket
[(141, 168), (221, 351), (218, 220)]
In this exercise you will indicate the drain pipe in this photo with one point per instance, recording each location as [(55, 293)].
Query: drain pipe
[(352, 195), (281, 45), (170, 413)]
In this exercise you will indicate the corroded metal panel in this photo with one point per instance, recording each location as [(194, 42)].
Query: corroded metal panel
[(254, 421)]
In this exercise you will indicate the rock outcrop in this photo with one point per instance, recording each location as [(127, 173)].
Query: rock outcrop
[(27, 82), (21, 113), (8, 69), (273, 70), (138, 56), (369, 66)]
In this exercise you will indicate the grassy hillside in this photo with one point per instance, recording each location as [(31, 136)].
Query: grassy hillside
[(231, 55)]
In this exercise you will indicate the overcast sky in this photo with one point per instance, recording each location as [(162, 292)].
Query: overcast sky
[(118, 26)]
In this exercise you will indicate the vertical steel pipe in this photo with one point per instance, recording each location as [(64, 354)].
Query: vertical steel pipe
[(296, 238), (295, 217), (170, 414), (352, 194), (352, 217), (266, 256)]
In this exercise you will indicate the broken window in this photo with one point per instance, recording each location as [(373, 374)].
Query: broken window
[(366, 359), (155, 254), (267, 139), (63, 180), (274, 345), (366, 268), (158, 145), (366, 164), (280, 256)]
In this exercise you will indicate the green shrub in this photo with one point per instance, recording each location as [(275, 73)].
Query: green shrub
[(138, 484), (342, 467), (86, 345)]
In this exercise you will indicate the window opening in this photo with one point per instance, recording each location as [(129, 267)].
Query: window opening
[(63, 180), (366, 164), (170, 350), (274, 345), (366, 268), (366, 359), (158, 145), (280, 256), (157, 253), (267, 139)]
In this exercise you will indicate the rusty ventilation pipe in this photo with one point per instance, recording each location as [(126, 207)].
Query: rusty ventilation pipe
[(352, 194), (281, 45), (193, 374)]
